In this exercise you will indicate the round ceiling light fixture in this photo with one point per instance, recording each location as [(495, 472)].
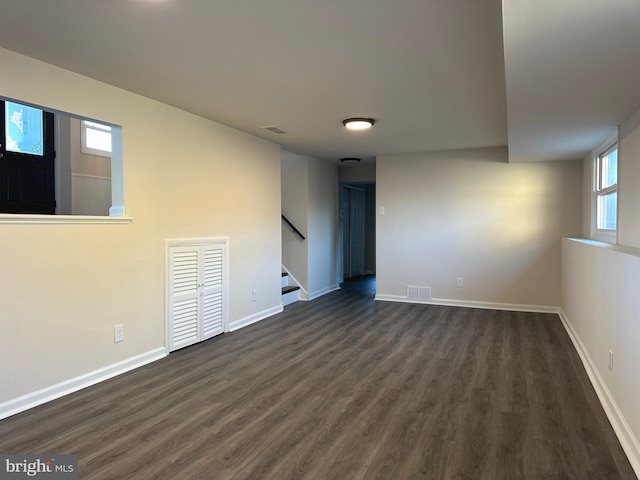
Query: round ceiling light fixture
[(350, 160), (358, 123)]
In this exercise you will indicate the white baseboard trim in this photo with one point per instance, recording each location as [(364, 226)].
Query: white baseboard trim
[(323, 291), (513, 307), (39, 397), (256, 317), (628, 440)]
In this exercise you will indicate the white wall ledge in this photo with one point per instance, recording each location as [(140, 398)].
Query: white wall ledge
[(12, 218), (634, 251)]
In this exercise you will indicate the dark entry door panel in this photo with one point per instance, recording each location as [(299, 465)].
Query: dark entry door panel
[(27, 181)]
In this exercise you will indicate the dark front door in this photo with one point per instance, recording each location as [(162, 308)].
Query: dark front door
[(27, 182)]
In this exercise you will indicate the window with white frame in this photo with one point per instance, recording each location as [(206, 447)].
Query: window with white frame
[(95, 138), (606, 188)]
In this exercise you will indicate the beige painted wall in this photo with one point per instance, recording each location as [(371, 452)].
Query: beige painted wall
[(471, 214), (64, 287), (357, 174), (628, 181), (588, 221), (295, 201), (600, 300), (601, 303), (323, 227)]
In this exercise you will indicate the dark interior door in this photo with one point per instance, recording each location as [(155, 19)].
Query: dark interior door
[(353, 231), (27, 182), (356, 232)]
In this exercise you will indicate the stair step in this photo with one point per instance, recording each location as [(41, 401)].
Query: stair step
[(289, 289)]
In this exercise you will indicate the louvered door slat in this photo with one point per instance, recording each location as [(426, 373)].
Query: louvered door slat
[(185, 271), (212, 267), (185, 322), (212, 314)]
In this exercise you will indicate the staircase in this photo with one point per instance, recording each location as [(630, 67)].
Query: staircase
[(290, 291)]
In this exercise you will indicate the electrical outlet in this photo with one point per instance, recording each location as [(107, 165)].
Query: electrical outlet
[(254, 296), (118, 333), (611, 360), (459, 282)]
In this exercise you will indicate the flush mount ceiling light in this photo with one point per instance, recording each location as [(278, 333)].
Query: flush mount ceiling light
[(350, 160), (358, 123)]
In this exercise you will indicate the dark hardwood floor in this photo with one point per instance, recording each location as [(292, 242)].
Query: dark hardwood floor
[(345, 388)]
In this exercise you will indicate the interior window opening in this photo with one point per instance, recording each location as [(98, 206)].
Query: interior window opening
[(55, 163)]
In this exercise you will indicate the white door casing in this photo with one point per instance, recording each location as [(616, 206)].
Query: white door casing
[(196, 290)]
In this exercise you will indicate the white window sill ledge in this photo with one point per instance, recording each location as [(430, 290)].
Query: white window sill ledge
[(61, 219), (634, 251)]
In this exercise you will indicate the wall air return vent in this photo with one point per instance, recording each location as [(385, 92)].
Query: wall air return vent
[(274, 129), (415, 292)]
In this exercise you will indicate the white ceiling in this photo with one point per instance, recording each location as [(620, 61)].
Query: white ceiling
[(573, 74), (431, 72)]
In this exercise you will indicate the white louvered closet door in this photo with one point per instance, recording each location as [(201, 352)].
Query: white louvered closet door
[(196, 293), (212, 290), (184, 295)]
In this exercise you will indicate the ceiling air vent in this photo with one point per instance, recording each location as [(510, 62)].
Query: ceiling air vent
[(274, 129)]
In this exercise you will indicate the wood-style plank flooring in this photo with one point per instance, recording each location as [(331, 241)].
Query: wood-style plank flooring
[(344, 388)]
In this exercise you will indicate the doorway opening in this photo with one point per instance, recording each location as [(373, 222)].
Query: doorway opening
[(358, 229)]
